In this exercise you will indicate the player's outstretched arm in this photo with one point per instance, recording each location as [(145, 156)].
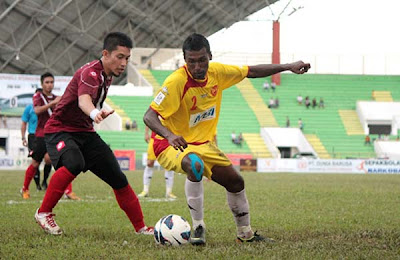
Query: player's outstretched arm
[(265, 70), (153, 122), (86, 105)]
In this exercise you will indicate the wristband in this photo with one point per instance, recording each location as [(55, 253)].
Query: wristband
[(94, 113)]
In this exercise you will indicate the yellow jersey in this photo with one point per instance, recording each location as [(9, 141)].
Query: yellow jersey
[(190, 108)]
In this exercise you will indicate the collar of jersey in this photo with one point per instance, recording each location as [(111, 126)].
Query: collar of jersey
[(103, 71), (197, 80)]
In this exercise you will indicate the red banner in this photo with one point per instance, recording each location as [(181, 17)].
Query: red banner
[(235, 157), (126, 159)]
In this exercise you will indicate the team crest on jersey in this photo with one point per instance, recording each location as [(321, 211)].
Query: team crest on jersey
[(209, 114), (93, 74), (60, 145), (214, 90), (159, 98)]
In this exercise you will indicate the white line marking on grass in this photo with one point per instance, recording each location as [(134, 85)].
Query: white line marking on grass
[(89, 199)]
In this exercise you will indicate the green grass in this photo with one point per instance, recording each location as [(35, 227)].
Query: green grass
[(312, 216)]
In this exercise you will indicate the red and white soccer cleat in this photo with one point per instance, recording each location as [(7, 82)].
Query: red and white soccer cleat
[(146, 231), (47, 223)]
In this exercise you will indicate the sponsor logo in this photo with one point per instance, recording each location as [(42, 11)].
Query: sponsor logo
[(93, 74), (209, 114), (164, 89), (159, 98), (60, 145)]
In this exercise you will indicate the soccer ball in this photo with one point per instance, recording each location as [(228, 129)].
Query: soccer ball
[(172, 230)]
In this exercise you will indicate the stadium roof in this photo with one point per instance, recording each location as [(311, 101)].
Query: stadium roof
[(61, 35)]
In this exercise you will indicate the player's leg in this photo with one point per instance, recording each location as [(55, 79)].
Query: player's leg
[(70, 194), (169, 184), (36, 178), (46, 170), (148, 170), (37, 154), (193, 165), (102, 162), (147, 176), (29, 174), (68, 161), (233, 182)]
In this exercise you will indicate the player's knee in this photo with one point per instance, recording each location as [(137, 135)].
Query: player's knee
[(194, 166), (236, 185), (150, 163), (73, 161), (118, 181), (35, 163)]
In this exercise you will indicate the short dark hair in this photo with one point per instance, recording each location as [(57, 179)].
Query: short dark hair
[(115, 39), (195, 42), (45, 75)]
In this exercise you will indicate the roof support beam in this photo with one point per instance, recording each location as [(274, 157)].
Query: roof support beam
[(20, 47), (85, 32), (30, 58), (4, 14)]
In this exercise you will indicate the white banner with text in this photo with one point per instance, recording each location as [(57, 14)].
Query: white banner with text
[(329, 166)]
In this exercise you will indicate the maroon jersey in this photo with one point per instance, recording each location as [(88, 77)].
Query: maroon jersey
[(68, 117), (40, 99)]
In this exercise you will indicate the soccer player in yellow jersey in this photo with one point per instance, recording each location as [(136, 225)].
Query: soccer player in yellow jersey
[(189, 105)]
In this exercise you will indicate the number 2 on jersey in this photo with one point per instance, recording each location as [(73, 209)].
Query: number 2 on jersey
[(194, 99)]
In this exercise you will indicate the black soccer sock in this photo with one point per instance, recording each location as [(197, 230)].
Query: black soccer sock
[(46, 172), (36, 178)]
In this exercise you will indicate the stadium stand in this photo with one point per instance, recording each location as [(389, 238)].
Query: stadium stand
[(340, 92)]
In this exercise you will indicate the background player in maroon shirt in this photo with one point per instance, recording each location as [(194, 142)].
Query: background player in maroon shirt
[(74, 146), (43, 102)]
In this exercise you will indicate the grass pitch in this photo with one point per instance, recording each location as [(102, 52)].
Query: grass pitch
[(312, 216)]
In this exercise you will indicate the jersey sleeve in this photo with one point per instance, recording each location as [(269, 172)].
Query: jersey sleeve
[(26, 114), (88, 83), (230, 75), (37, 100), (168, 98)]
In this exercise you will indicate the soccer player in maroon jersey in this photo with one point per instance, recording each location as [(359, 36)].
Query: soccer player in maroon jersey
[(74, 146), (44, 102)]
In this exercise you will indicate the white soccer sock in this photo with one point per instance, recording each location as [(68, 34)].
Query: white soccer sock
[(147, 175), (195, 200), (239, 206), (169, 181)]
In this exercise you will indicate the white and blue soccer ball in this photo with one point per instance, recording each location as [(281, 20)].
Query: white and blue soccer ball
[(172, 230)]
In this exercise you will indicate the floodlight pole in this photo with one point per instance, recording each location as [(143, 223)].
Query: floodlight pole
[(276, 56)]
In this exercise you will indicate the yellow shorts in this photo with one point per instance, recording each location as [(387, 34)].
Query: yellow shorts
[(150, 150), (211, 155)]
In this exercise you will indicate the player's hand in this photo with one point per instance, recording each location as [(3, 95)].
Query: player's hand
[(299, 67), (24, 143), (103, 114), (177, 142), (55, 101)]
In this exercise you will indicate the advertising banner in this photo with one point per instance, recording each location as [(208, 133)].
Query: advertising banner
[(369, 166), (235, 157), (126, 159), (18, 89), (249, 165)]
